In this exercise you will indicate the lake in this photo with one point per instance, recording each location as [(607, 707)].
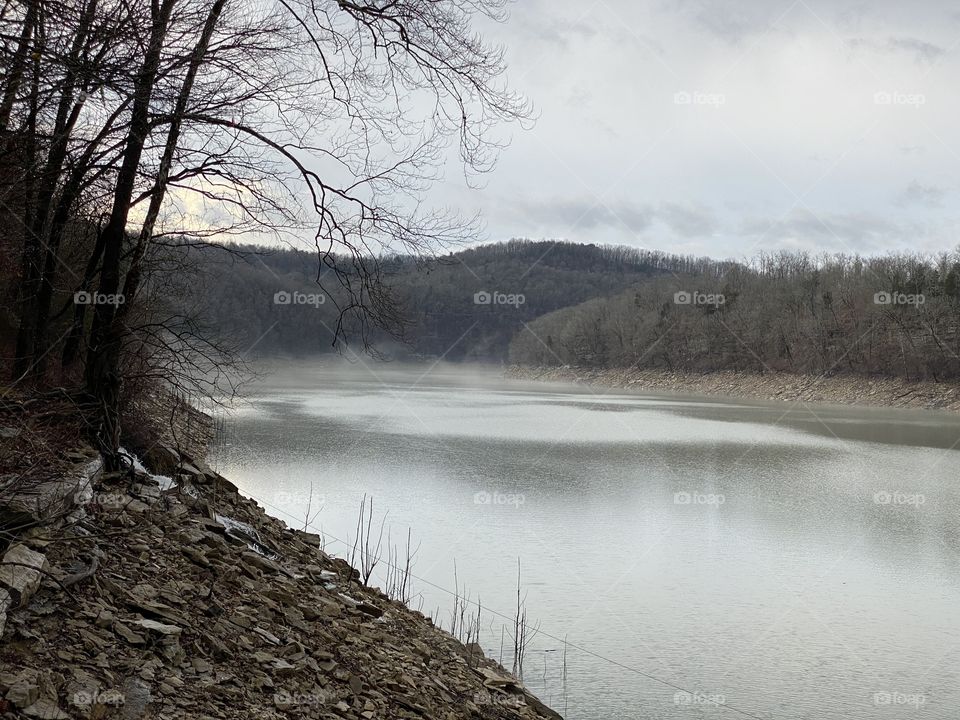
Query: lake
[(690, 557)]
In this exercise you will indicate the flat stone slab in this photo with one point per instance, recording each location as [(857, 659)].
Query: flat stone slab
[(21, 572), (158, 627)]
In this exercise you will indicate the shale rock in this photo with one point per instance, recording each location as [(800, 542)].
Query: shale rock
[(202, 606)]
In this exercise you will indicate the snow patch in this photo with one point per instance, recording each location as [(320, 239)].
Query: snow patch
[(164, 481)]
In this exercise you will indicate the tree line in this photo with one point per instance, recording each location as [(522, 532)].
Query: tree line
[(897, 315), (435, 301)]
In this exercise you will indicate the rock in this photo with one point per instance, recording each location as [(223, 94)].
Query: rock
[(282, 668), (266, 635), (293, 651), (369, 609), (201, 666), (158, 627), (21, 572), (196, 556), (5, 603), (261, 637), (497, 679), (188, 468), (217, 543), (136, 506), (148, 492), (162, 459), (137, 697), (309, 538), (213, 526), (23, 689), (129, 635), (45, 709), (259, 561)]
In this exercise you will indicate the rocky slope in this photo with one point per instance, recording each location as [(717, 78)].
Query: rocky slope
[(840, 389), (149, 597)]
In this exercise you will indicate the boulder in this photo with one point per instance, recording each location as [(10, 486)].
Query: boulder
[(23, 688), (21, 572), (45, 709), (162, 459)]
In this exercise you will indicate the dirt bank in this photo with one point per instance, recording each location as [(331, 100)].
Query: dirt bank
[(840, 389)]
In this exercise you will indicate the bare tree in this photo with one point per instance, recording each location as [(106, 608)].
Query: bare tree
[(287, 119)]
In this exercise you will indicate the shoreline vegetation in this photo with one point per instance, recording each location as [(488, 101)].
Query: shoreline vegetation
[(840, 389)]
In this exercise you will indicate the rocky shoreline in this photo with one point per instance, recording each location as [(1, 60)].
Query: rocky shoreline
[(173, 596), (786, 387)]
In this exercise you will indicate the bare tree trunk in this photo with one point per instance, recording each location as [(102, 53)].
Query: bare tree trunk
[(134, 274), (53, 228), (106, 337), (30, 264), (71, 347), (12, 85)]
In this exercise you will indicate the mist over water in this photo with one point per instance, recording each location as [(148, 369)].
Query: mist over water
[(790, 566)]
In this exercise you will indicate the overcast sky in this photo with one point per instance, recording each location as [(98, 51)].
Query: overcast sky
[(725, 128)]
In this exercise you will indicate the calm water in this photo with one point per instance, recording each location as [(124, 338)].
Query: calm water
[(799, 565)]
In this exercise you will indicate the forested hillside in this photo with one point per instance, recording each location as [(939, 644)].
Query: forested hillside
[(440, 302), (560, 303), (895, 315)]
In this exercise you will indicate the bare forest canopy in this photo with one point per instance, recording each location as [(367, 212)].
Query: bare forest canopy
[(126, 128), (561, 303)]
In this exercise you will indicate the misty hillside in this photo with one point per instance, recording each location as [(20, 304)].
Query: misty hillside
[(557, 303), (442, 301)]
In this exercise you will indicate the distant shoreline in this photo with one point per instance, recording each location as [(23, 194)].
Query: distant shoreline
[(786, 387)]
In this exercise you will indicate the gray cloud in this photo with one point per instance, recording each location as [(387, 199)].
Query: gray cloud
[(922, 51), (836, 232), (733, 22), (559, 31), (687, 220), (571, 214), (725, 25), (801, 115), (929, 196)]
